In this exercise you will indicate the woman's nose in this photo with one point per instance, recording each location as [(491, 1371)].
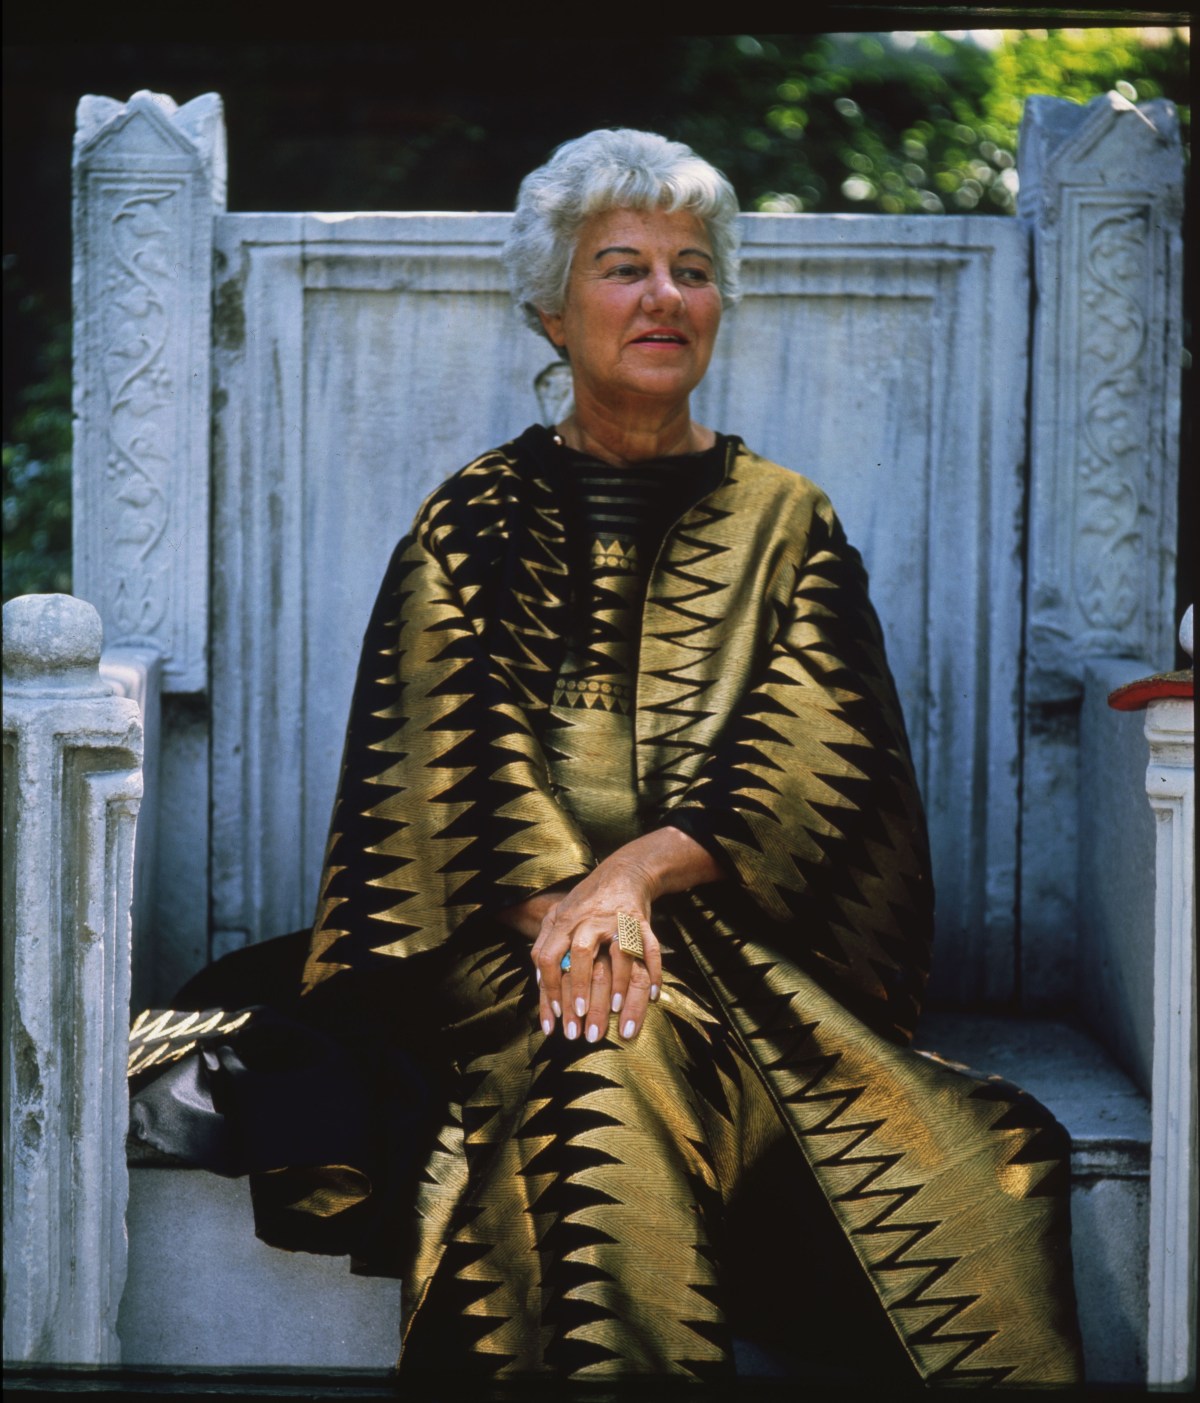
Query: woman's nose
[(661, 292)]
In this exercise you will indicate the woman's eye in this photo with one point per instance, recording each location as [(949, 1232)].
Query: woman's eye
[(622, 270), (699, 276)]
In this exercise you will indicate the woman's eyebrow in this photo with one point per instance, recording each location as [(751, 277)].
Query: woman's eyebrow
[(621, 248)]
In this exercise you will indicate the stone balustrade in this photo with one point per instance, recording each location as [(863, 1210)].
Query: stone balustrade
[(137, 671), (72, 786), (1174, 1222), (1170, 724)]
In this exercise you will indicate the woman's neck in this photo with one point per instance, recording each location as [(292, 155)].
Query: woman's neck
[(622, 440)]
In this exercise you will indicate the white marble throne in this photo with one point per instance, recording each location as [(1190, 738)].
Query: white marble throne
[(262, 401)]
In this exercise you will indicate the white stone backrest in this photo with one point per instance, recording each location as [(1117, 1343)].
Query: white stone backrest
[(362, 360)]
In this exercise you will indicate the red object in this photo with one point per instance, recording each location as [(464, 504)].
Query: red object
[(1136, 696)]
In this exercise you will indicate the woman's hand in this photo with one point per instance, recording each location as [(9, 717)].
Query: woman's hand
[(603, 979)]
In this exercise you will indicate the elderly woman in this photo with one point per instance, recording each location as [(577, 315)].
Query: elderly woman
[(628, 863)]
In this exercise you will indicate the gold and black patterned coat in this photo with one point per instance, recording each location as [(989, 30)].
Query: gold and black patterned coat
[(766, 725)]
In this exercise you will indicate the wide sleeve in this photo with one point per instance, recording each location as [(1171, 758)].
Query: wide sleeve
[(444, 805), (808, 796)]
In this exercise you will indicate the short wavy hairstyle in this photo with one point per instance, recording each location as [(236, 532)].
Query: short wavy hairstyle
[(611, 169)]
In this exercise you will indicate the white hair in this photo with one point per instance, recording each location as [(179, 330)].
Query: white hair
[(606, 170)]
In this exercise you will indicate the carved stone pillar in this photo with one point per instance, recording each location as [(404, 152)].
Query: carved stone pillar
[(72, 784), (148, 179), (1102, 193)]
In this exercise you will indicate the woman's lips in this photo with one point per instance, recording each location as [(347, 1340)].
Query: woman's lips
[(661, 336)]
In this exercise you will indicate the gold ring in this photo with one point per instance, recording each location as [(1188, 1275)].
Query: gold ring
[(629, 935)]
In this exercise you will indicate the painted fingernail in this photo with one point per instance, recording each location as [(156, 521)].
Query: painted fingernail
[(572, 1029), (547, 1026), (539, 975), (593, 1032), (618, 1000), (581, 1007), (557, 1007), (653, 992), (627, 1030)]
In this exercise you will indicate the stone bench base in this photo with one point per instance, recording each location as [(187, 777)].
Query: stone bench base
[(203, 1291)]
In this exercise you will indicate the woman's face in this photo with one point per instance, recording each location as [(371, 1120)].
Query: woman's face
[(642, 307)]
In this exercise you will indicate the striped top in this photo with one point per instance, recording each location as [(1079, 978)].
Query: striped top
[(615, 519)]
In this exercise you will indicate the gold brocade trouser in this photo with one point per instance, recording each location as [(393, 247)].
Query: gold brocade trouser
[(588, 1226)]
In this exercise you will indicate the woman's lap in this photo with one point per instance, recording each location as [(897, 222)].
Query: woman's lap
[(614, 1221)]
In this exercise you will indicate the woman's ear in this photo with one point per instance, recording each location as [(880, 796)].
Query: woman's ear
[(552, 324)]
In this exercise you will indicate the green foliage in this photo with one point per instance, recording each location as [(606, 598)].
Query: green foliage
[(36, 495), (1080, 63), (906, 123)]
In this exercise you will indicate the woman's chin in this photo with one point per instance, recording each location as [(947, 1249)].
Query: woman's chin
[(670, 384)]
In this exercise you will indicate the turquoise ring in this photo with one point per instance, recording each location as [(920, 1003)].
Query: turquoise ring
[(565, 962)]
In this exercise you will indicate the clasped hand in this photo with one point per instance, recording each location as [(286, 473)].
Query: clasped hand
[(603, 979)]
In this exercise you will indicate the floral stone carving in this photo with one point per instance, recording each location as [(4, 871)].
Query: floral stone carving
[(149, 178)]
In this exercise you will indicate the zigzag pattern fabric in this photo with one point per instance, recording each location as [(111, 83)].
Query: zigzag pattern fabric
[(570, 1215)]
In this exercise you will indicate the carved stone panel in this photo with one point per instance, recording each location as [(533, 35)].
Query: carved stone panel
[(1102, 190), (362, 360), (148, 178)]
